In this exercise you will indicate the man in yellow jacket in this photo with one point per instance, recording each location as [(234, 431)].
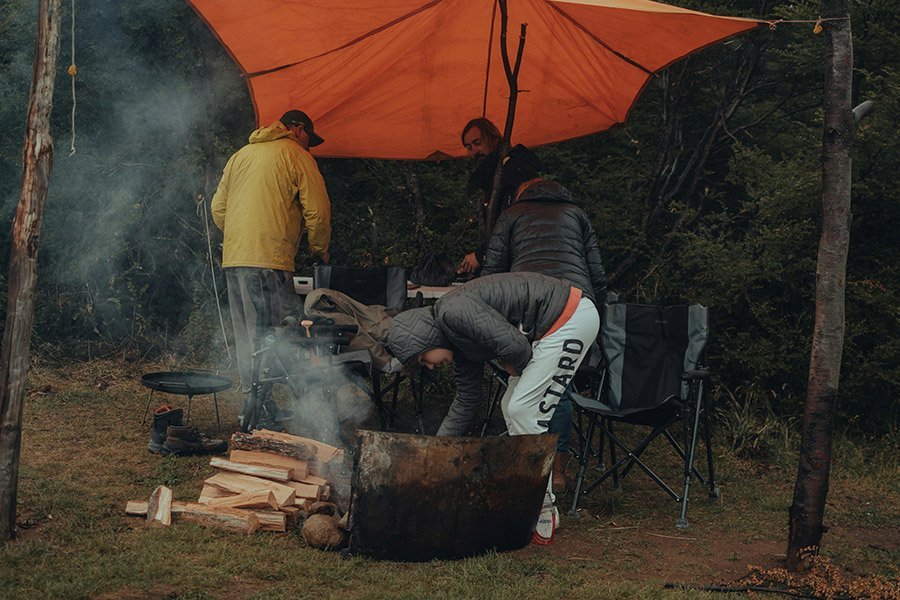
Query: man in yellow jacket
[(270, 192)]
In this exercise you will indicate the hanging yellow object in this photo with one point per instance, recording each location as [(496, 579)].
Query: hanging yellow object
[(72, 70), (818, 27)]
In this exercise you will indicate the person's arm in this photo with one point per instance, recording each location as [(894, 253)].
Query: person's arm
[(497, 256), (466, 404), (220, 199), (316, 208), (468, 320), (595, 264)]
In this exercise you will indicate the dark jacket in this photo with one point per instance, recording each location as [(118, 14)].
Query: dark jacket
[(521, 165), (546, 232), (496, 316)]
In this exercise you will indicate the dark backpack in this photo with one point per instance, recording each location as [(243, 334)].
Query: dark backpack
[(433, 269)]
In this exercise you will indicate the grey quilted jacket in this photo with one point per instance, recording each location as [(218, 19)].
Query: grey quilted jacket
[(546, 232), (498, 316)]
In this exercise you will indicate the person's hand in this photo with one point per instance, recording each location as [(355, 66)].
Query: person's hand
[(468, 265), (509, 368)]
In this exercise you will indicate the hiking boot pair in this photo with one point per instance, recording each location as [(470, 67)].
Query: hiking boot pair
[(170, 436)]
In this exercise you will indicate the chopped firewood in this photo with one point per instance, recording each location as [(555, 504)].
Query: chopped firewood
[(241, 484), (305, 490), (292, 515), (299, 468), (138, 508), (320, 481), (260, 499), (233, 519), (324, 532), (271, 520), (325, 493), (272, 473), (210, 492), (323, 508), (244, 441), (324, 452), (159, 508)]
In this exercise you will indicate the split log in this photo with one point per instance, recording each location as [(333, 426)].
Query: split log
[(305, 490), (138, 508), (313, 479), (271, 520), (292, 516), (324, 452), (243, 441), (262, 499), (273, 473), (210, 492), (241, 484), (159, 508), (299, 468), (232, 519)]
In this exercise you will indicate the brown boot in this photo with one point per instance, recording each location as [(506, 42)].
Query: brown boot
[(559, 472), (182, 440)]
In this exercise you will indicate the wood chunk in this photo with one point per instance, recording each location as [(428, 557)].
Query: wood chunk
[(138, 508), (292, 516), (232, 519), (159, 508), (305, 490), (299, 451), (241, 484), (273, 473), (210, 492), (299, 468), (262, 499), (324, 452), (271, 520), (313, 479)]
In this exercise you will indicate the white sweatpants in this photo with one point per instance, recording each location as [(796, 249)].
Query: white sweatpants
[(531, 398)]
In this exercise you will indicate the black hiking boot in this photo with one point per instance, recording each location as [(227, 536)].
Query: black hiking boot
[(163, 416), (182, 440)]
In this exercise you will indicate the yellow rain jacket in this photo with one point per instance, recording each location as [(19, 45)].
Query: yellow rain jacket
[(269, 189)]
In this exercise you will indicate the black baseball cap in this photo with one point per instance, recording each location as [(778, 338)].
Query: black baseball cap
[(298, 117)]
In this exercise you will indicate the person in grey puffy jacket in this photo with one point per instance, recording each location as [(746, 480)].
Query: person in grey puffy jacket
[(539, 328), (544, 231)]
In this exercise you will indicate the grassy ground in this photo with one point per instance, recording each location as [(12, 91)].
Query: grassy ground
[(84, 454)]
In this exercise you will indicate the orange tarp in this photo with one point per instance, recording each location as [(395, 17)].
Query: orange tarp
[(399, 78)]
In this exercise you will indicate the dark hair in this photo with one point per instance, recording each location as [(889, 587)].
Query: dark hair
[(484, 125)]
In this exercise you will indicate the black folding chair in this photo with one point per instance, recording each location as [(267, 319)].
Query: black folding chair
[(385, 286), (652, 375)]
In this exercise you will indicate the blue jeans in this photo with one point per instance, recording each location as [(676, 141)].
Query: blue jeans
[(561, 422)]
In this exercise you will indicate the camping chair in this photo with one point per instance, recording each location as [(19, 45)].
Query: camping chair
[(385, 286), (652, 375)]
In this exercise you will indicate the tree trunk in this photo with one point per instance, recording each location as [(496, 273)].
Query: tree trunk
[(808, 508), (38, 158)]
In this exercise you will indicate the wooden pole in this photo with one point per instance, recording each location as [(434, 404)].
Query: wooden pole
[(512, 78), (806, 514), (38, 159)]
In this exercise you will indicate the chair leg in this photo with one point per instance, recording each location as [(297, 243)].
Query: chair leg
[(694, 426), (187, 416), (713, 488), (677, 447), (418, 389), (632, 457), (612, 452), (582, 466)]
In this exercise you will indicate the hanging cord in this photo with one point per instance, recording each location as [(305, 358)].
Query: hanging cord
[(73, 71), (817, 28), (202, 211)]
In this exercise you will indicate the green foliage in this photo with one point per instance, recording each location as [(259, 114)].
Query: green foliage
[(709, 193)]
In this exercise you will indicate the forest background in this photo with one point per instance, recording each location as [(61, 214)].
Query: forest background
[(710, 193)]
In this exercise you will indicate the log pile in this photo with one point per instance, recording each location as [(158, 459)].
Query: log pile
[(269, 482)]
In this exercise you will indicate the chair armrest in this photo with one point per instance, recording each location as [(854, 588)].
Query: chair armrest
[(696, 374)]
